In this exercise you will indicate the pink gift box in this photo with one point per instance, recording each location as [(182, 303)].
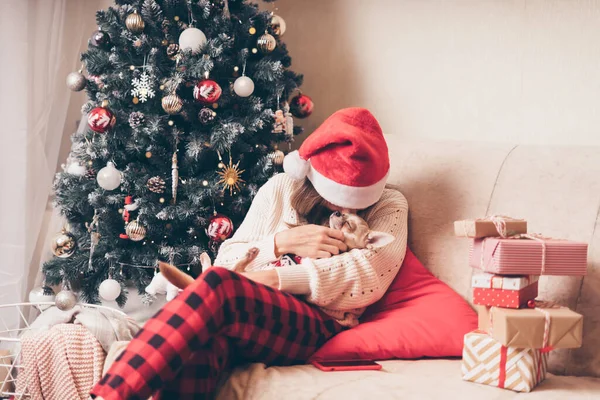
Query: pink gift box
[(529, 257)]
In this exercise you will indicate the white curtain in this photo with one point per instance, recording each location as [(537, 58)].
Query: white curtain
[(40, 45)]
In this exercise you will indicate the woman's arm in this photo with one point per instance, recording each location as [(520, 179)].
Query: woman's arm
[(357, 278), (256, 231)]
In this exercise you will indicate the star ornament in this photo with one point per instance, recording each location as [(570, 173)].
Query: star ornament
[(231, 177)]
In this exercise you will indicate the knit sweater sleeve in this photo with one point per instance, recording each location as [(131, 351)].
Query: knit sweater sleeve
[(257, 230), (357, 278)]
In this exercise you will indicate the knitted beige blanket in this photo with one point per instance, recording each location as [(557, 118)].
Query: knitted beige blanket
[(61, 363)]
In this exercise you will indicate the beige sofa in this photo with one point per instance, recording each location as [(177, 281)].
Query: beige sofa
[(557, 189)]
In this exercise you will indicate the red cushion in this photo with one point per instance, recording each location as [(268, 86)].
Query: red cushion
[(419, 316)]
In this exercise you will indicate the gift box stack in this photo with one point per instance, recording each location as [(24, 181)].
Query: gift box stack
[(516, 331)]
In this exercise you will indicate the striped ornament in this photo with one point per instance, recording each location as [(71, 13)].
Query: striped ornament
[(487, 362)]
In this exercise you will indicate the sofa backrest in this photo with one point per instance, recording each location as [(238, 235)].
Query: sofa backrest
[(556, 189)]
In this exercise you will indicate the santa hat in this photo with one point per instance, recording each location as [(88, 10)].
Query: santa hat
[(346, 159)]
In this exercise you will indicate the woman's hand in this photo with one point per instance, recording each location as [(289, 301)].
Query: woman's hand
[(269, 277), (312, 241)]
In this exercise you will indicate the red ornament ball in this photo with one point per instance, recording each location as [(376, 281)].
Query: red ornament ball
[(531, 303), (301, 106), (219, 228), (101, 119), (207, 91)]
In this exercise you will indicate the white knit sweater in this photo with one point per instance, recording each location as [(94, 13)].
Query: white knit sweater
[(343, 285)]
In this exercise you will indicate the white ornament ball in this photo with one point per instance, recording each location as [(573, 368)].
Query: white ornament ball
[(109, 178), (243, 86), (65, 300), (192, 38), (109, 289), (37, 296), (76, 169)]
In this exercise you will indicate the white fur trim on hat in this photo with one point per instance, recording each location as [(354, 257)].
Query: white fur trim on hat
[(295, 166), (345, 196)]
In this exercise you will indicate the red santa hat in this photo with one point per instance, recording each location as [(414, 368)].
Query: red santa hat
[(346, 159)]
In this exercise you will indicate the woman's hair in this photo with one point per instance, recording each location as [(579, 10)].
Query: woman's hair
[(308, 203)]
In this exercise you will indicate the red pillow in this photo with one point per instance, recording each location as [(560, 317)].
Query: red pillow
[(419, 316)]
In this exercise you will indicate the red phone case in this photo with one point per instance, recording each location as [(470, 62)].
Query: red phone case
[(346, 366)]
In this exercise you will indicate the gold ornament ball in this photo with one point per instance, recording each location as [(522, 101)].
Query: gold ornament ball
[(162, 87), (135, 23), (221, 165), (136, 100), (135, 231), (171, 123), (278, 25), (148, 154), (277, 157), (236, 68), (252, 30), (266, 43), (254, 50), (64, 244), (65, 300), (132, 68), (204, 183), (120, 211), (161, 200), (176, 18), (172, 104)]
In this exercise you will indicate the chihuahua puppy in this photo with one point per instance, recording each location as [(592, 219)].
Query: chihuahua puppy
[(357, 235)]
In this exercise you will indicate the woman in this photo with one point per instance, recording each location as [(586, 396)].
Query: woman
[(283, 315)]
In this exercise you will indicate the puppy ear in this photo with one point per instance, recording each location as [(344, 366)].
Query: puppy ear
[(205, 261), (376, 239)]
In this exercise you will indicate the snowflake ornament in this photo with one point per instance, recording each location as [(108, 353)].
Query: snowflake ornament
[(143, 87)]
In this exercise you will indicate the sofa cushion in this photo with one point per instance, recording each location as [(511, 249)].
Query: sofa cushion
[(419, 316)]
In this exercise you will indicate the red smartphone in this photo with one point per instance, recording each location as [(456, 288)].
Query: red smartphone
[(354, 365)]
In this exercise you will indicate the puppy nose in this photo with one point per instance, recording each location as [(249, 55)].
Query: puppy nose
[(337, 214)]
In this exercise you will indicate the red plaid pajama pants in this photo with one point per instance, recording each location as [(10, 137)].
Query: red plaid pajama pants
[(221, 320)]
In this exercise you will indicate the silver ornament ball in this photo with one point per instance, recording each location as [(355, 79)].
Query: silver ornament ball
[(76, 81), (65, 300)]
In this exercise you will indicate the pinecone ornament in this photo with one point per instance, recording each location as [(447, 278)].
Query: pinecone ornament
[(90, 173), (136, 118), (156, 185)]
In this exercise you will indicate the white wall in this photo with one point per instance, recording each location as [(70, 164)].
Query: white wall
[(13, 159), (525, 71)]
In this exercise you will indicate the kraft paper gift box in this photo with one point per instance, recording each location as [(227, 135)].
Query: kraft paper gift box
[(490, 227), (525, 327), (6, 382), (504, 291), (529, 256), (488, 362)]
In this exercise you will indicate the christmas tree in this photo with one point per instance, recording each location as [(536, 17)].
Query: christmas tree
[(187, 104)]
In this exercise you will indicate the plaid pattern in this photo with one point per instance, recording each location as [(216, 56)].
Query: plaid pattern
[(220, 321)]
